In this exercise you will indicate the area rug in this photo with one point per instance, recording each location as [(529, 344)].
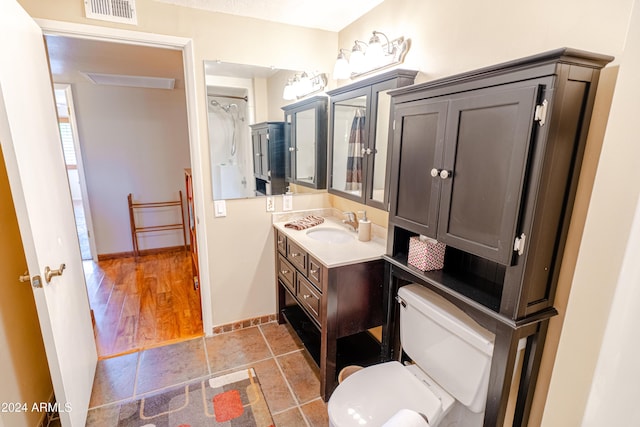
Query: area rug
[(232, 400)]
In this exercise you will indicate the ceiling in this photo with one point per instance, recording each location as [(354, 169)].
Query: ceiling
[(69, 57), (330, 15)]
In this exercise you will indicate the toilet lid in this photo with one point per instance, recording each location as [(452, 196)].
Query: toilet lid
[(373, 395)]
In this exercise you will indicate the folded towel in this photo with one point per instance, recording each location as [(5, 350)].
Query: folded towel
[(306, 222)]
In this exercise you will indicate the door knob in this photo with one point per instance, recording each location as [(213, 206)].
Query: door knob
[(25, 278), (49, 273)]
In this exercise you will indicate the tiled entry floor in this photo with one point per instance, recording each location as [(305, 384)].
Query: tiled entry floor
[(287, 374)]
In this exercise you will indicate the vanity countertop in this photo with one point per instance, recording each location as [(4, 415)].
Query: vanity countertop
[(335, 254)]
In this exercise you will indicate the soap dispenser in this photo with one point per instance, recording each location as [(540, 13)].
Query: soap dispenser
[(364, 228)]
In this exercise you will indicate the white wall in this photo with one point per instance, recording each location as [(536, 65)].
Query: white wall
[(134, 141)]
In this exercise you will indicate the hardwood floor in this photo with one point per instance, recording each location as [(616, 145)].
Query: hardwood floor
[(143, 304)]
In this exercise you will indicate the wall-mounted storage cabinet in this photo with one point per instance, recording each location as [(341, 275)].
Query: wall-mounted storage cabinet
[(306, 142), (359, 137), (488, 163), (267, 141)]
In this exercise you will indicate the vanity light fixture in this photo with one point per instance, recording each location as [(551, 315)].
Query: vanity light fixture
[(366, 58), (304, 84)]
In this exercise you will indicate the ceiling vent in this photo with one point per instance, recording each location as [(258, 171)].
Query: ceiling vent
[(122, 11)]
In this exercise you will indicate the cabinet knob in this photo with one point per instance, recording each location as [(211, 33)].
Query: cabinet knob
[(284, 271), (293, 255), (435, 172), (306, 296), (444, 174), (291, 149)]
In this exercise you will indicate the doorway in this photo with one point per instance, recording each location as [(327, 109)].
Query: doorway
[(135, 140), (75, 172)]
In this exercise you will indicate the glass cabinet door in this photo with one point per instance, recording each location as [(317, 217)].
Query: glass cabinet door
[(305, 153), (349, 145), (378, 149), (306, 142)]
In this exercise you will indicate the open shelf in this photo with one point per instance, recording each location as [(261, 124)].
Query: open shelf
[(359, 349)]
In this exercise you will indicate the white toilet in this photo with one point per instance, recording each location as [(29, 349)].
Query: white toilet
[(452, 356)]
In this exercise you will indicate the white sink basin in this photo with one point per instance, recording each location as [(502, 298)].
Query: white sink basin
[(330, 235)]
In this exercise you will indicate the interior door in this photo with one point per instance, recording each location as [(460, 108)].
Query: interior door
[(486, 147), (33, 155)]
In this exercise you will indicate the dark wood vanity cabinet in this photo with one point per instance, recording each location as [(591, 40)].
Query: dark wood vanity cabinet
[(305, 136), (488, 163), (339, 304), (267, 142), (359, 135)]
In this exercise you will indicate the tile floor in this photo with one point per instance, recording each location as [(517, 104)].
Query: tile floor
[(288, 376)]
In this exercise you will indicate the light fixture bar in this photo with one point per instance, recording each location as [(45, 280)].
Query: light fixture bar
[(368, 58)]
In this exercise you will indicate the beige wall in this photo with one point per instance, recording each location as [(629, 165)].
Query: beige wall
[(604, 296), (23, 364), (134, 141)]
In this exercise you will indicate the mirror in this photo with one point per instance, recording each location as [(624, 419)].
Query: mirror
[(348, 143), (239, 96), (381, 146), (306, 146)]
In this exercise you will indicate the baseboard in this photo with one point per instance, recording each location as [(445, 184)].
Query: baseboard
[(244, 324), (143, 252)]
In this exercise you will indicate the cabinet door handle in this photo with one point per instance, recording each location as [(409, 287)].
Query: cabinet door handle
[(435, 172), (293, 255), (313, 271), (291, 149), (284, 271), (444, 174), (306, 296)]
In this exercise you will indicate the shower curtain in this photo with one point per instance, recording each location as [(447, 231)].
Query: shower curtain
[(354, 153)]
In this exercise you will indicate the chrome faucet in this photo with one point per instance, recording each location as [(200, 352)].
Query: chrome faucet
[(352, 220)]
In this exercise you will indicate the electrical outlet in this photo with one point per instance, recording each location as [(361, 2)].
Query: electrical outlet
[(271, 204)]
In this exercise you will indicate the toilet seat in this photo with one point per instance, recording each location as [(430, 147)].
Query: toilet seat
[(373, 395)]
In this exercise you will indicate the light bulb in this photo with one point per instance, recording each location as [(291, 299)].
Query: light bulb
[(341, 69)]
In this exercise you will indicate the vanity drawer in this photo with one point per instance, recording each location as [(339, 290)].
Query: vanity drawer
[(309, 296), (281, 241), (287, 274), (315, 272), (297, 256)]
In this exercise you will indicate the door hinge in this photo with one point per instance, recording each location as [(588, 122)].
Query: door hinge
[(540, 114), (518, 245)]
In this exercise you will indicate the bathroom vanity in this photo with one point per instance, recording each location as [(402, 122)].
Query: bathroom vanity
[(331, 283)]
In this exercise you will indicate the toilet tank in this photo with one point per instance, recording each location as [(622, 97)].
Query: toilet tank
[(447, 344)]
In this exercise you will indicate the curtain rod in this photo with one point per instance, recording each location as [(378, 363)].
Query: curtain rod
[(244, 98)]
